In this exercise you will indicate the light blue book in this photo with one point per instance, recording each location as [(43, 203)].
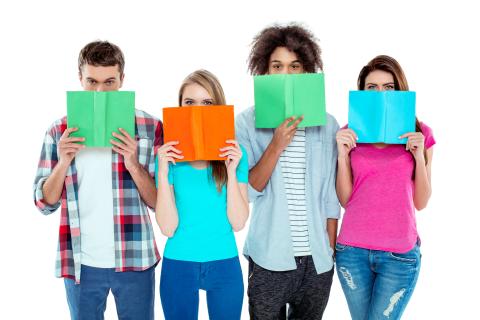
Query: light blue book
[(381, 116)]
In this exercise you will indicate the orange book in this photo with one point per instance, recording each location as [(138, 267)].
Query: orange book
[(200, 130)]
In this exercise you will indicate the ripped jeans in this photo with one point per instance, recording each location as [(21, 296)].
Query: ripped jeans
[(377, 284)]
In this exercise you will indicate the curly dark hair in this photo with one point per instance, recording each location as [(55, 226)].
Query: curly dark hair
[(294, 37)]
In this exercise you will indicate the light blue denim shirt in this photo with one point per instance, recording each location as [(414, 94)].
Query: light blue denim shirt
[(269, 241)]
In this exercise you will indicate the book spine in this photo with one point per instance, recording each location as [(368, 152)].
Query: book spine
[(197, 133), (289, 97), (385, 104), (99, 116)]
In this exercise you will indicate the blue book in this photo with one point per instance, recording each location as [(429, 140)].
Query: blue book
[(381, 116)]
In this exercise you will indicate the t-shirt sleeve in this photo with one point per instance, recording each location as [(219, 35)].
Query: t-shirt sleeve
[(428, 134), (242, 169)]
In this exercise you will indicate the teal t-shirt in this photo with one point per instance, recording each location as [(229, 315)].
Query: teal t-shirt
[(204, 232)]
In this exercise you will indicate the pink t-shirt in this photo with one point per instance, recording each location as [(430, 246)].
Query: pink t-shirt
[(380, 214)]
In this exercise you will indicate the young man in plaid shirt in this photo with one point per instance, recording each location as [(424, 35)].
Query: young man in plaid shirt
[(106, 238)]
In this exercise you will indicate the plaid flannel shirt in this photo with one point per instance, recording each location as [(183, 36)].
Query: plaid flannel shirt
[(135, 247)]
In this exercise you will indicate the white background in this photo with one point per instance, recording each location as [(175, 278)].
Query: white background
[(435, 42)]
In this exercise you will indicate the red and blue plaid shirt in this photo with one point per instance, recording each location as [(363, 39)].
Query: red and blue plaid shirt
[(135, 247)]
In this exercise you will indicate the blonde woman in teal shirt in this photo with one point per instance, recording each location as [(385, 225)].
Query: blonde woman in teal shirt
[(199, 206)]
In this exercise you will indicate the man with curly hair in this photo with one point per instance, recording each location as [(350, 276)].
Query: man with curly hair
[(292, 186)]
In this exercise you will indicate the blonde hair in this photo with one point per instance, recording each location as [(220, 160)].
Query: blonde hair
[(209, 82), (206, 80)]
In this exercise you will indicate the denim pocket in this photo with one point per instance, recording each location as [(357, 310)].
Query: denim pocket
[(411, 256), (340, 247)]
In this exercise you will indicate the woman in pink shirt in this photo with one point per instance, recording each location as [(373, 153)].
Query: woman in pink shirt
[(380, 186)]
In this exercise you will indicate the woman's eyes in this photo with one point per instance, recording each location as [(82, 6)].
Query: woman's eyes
[(192, 102), (387, 87)]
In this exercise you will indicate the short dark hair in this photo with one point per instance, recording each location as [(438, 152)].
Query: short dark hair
[(101, 53), (294, 37)]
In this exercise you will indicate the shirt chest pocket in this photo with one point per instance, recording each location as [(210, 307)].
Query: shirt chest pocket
[(145, 151)]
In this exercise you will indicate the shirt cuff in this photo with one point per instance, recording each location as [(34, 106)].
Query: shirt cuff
[(332, 210), (40, 203), (254, 194)]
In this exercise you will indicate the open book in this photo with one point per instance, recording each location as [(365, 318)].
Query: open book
[(200, 130), (98, 114), (280, 96), (381, 116)]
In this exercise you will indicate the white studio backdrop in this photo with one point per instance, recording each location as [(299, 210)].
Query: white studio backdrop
[(435, 42)]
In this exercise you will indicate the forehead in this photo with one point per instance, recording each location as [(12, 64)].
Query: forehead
[(379, 76), (100, 72), (195, 91), (283, 54)]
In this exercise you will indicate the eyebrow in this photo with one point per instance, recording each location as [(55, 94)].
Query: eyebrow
[(108, 79), (294, 61)]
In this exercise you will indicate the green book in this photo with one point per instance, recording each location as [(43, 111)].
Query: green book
[(280, 96), (98, 114)]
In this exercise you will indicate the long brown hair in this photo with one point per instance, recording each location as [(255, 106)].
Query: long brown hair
[(210, 83), (390, 65)]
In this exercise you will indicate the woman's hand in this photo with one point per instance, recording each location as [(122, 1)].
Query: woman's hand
[(233, 154), (415, 144), (167, 153), (346, 141)]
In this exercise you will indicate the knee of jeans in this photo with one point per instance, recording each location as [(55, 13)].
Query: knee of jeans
[(394, 302)]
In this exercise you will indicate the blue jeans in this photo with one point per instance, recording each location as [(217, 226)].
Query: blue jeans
[(377, 284), (134, 293), (180, 282)]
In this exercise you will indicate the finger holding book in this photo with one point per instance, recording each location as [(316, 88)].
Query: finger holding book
[(68, 146), (346, 141), (127, 147), (233, 154), (415, 143), (168, 153), (284, 133)]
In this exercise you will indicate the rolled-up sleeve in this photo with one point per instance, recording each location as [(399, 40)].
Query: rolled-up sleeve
[(48, 160)]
